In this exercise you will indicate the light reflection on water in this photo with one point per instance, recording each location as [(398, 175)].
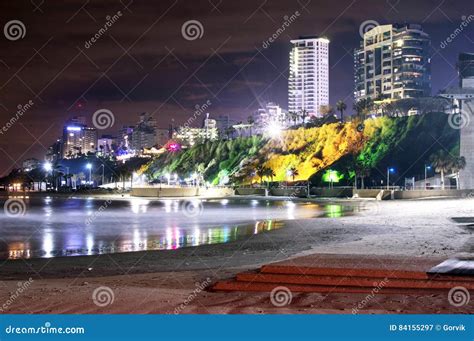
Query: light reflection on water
[(54, 227)]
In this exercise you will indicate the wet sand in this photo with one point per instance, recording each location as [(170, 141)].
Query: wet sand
[(165, 281)]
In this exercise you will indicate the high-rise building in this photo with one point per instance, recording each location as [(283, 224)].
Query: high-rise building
[(144, 133), (393, 62), (466, 70), (78, 139), (308, 82)]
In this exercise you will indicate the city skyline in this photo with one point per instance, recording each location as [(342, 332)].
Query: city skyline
[(169, 80)]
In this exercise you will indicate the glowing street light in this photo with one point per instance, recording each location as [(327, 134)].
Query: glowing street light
[(427, 168), (274, 129), (89, 167), (389, 170), (48, 166)]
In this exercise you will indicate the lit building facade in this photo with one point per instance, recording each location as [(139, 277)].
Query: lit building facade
[(189, 136), (78, 139), (393, 62), (308, 81)]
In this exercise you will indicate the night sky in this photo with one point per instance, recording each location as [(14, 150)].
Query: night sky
[(144, 64)]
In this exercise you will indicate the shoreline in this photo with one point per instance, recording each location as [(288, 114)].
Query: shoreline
[(414, 232)]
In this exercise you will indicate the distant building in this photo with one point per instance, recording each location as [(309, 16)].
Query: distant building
[(162, 137), (53, 153), (271, 114), (78, 139), (223, 124), (189, 136), (466, 70), (144, 133), (30, 164), (393, 62), (106, 145), (308, 82)]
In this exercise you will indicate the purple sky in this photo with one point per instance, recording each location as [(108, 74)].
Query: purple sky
[(143, 62)]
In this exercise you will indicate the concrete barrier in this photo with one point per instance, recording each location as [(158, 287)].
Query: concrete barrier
[(417, 194), (250, 191), (289, 192), (332, 192), (173, 192)]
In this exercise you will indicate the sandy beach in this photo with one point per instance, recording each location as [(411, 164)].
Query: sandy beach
[(413, 232)]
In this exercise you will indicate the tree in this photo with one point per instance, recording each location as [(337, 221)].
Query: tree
[(250, 121), (442, 163), (260, 171), (293, 171), (341, 107), (363, 107), (269, 173), (304, 114), (294, 116)]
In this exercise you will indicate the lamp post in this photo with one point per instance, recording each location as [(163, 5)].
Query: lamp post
[(48, 167), (103, 170), (168, 177), (389, 170), (89, 167), (427, 168)]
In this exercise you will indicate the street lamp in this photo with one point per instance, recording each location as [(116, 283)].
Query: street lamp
[(103, 170), (168, 177), (427, 168), (48, 166), (389, 170), (89, 167)]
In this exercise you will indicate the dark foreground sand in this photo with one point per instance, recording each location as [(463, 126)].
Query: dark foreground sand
[(415, 233)]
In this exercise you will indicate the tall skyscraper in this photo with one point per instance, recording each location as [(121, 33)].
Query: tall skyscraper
[(78, 138), (308, 82), (393, 62)]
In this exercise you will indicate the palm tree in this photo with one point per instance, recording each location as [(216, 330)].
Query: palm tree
[(304, 114), (261, 171), (269, 173), (442, 163), (363, 107), (293, 171), (341, 107), (457, 164), (294, 116), (251, 121)]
